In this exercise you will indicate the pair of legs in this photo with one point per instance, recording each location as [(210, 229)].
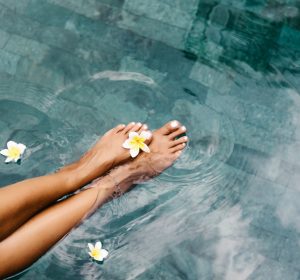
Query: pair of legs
[(31, 219)]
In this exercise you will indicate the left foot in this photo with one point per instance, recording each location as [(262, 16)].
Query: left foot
[(105, 154)]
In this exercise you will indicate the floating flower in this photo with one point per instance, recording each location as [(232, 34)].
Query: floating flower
[(96, 252), (136, 141), (13, 152)]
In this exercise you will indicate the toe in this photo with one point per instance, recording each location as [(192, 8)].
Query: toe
[(136, 127), (119, 127), (148, 135), (129, 127), (177, 132), (179, 141), (178, 148), (144, 127), (169, 127), (178, 154)]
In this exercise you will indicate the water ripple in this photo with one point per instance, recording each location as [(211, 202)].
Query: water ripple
[(199, 184)]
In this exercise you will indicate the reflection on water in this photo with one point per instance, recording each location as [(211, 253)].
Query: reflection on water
[(228, 70)]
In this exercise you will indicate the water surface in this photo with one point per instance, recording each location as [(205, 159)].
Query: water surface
[(229, 70)]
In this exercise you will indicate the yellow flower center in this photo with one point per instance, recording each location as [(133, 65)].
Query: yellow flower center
[(14, 152), (96, 253), (137, 142)]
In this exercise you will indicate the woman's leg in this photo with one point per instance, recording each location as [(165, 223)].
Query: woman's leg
[(41, 232), (20, 201)]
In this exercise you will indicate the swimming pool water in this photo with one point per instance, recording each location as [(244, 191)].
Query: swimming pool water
[(228, 69)]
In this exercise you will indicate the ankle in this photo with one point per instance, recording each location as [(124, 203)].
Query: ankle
[(82, 172), (122, 175), (113, 184)]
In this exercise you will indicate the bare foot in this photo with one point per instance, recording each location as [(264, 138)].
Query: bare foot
[(110, 145), (165, 148), (106, 153)]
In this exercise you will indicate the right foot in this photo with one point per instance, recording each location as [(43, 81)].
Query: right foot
[(165, 149)]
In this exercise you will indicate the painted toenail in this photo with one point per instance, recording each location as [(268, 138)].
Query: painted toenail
[(139, 124), (147, 134), (183, 145), (183, 128), (145, 126), (132, 123), (174, 124), (185, 138)]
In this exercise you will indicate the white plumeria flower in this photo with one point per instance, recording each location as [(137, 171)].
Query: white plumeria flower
[(96, 252), (136, 141), (13, 152)]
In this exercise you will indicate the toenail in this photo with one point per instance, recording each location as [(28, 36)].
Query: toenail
[(183, 128), (147, 134), (139, 124), (185, 138), (174, 124), (145, 126), (132, 123), (183, 145)]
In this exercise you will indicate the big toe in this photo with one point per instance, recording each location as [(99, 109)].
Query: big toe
[(119, 128), (169, 127)]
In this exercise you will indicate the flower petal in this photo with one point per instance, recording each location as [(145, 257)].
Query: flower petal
[(132, 134), (22, 148), (145, 148), (9, 159), (134, 152), (91, 254), (98, 258), (98, 245), (146, 134), (4, 152), (104, 253), (91, 246), (126, 144), (16, 159), (11, 144)]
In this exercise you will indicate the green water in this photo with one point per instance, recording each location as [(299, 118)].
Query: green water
[(229, 70)]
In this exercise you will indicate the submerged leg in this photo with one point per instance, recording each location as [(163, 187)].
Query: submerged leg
[(41, 232), (20, 201)]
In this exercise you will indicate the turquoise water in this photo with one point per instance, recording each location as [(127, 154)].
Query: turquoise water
[(228, 69)]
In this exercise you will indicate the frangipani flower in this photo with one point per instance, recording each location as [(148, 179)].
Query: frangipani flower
[(13, 152), (96, 252), (136, 141)]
